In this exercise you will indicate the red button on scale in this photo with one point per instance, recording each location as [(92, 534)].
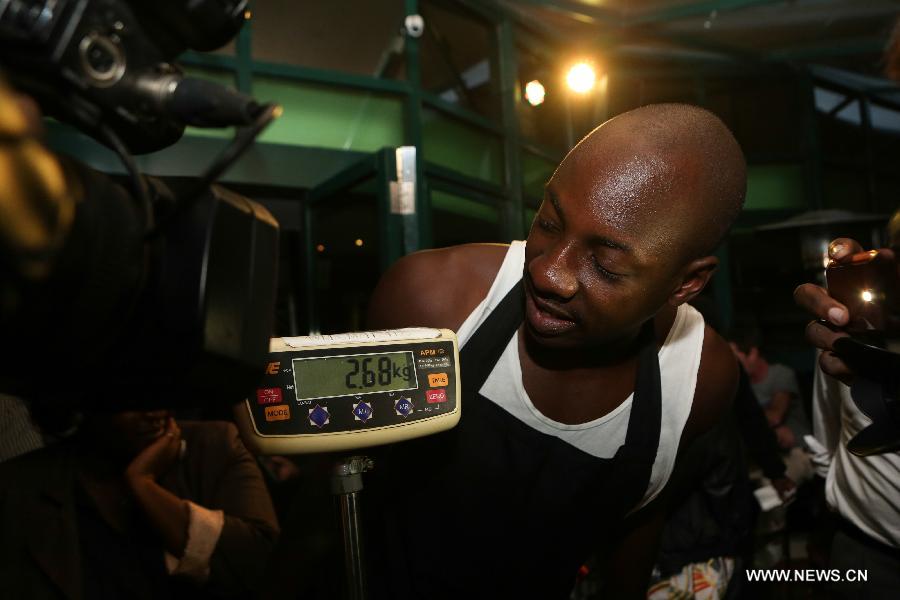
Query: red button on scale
[(435, 396), (268, 395)]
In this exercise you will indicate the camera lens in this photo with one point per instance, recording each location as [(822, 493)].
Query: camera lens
[(102, 59)]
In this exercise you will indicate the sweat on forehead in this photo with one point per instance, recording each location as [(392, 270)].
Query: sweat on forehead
[(661, 163)]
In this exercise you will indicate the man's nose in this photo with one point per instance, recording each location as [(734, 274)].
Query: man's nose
[(553, 272)]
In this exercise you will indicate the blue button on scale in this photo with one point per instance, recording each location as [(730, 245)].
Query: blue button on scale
[(319, 416)]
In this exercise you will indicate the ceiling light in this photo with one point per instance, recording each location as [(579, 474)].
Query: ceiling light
[(581, 78), (534, 92)]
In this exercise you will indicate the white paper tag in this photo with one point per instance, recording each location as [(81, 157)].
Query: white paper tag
[(403, 197)]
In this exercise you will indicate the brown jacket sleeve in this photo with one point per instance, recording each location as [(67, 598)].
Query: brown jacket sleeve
[(219, 473)]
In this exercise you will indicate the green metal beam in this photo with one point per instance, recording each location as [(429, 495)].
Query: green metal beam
[(830, 49), (548, 154), (441, 174), (487, 11), (335, 78), (221, 62), (464, 192), (466, 116), (285, 166), (696, 9), (447, 201), (597, 14), (296, 73), (354, 174)]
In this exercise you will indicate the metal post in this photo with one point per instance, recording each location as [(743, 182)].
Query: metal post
[(511, 214), (413, 137), (812, 149), (309, 256), (390, 244), (243, 50), (722, 288), (865, 114), (347, 484)]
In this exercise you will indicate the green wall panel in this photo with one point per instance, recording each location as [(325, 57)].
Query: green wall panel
[(772, 187), (452, 144), (442, 201), (459, 220), (316, 115), (536, 171)]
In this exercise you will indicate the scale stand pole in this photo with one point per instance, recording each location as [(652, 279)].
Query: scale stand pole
[(347, 484)]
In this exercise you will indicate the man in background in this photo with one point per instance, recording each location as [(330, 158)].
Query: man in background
[(775, 386)]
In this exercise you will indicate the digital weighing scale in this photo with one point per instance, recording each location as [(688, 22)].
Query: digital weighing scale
[(327, 393)]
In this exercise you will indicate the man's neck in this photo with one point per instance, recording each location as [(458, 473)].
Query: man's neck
[(599, 356), (603, 355)]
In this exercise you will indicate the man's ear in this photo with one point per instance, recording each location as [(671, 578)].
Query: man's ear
[(694, 278)]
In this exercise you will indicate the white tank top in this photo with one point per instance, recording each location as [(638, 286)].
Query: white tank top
[(679, 362)]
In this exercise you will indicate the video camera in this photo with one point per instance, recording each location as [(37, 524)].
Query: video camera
[(160, 295)]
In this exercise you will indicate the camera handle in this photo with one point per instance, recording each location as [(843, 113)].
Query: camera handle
[(346, 485)]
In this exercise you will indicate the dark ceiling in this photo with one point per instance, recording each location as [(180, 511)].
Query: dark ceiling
[(850, 34)]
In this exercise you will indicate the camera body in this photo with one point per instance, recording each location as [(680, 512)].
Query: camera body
[(160, 295), (107, 63)]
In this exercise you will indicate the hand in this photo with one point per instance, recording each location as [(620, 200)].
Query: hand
[(281, 467), (786, 488), (155, 459), (816, 301), (786, 438)]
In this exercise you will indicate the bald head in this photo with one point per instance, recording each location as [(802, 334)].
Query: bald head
[(672, 174)]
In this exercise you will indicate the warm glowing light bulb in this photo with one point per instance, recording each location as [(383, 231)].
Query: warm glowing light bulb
[(867, 296), (534, 92), (581, 78)]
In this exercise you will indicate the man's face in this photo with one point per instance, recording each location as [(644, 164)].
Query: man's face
[(601, 257), (129, 432)]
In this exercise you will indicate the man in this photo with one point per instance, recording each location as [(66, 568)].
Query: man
[(136, 506), (583, 370), (863, 491), (776, 388)]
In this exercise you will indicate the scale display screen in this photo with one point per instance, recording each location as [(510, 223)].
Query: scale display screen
[(331, 376)]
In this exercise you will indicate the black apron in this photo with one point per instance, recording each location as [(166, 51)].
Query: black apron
[(494, 508)]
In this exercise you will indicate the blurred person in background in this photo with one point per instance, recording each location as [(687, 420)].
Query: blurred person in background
[(776, 389), (135, 505)]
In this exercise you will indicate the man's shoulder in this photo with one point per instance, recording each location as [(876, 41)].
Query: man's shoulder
[(41, 468), (435, 288), (717, 383)]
